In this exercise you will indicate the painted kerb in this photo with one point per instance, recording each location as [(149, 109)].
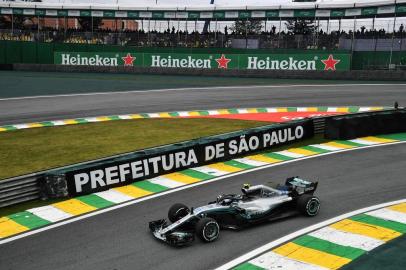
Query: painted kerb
[(292, 62)]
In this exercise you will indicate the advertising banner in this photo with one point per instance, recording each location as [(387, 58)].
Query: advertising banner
[(303, 62), (150, 163)]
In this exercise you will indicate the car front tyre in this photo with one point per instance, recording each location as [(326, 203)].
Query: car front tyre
[(207, 229), (308, 205), (177, 211)]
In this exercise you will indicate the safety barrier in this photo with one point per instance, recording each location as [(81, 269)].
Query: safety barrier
[(19, 189), (346, 127), (370, 75)]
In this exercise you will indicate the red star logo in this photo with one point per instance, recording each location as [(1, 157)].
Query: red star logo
[(330, 63), (128, 60), (223, 62)]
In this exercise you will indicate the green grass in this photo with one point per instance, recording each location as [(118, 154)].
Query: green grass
[(17, 83), (30, 150)]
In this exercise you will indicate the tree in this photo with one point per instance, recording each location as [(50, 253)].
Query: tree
[(301, 26), (246, 26)]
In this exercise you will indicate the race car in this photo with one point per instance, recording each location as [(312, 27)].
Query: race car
[(256, 204)]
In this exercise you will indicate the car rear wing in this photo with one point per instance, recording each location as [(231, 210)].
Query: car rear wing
[(301, 185)]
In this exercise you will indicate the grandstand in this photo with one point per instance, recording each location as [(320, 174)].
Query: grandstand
[(361, 25)]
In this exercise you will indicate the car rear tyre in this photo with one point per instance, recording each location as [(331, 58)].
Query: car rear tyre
[(177, 211), (308, 205), (207, 229)]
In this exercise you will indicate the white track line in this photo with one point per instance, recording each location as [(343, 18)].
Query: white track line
[(156, 195), (200, 88), (269, 246)]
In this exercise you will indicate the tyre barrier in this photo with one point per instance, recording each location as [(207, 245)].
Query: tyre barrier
[(346, 127)]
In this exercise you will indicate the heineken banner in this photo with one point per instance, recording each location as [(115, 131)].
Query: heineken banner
[(305, 61), (102, 175)]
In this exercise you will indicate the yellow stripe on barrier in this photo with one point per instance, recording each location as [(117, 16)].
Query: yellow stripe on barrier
[(9, 227), (282, 109), (165, 115), (2, 129), (312, 256), (399, 207), (223, 111), (264, 158), (70, 122), (224, 167), (194, 113), (182, 178), (312, 109), (132, 191), (252, 110), (369, 230), (343, 109), (74, 207), (136, 116), (338, 145), (35, 125), (302, 151), (376, 108), (378, 140), (103, 119)]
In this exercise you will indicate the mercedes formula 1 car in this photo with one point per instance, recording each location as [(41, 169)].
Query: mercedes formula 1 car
[(256, 204)]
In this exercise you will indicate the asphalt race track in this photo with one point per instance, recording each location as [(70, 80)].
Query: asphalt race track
[(17, 111), (120, 240)]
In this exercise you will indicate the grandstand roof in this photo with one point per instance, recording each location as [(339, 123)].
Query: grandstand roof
[(223, 3)]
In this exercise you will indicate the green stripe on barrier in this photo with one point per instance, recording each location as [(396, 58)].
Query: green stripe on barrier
[(239, 165), (197, 174), (397, 136), (28, 220), (47, 124), (393, 225), (322, 109), (95, 201), (353, 109), (248, 266), (114, 117), (233, 111), (81, 121), (151, 187), (314, 149), (174, 114), (262, 110), (9, 127), (349, 143), (277, 156), (204, 113), (328, 247)]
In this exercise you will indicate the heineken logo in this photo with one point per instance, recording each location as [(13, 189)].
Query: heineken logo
[(291, 63), (96, 60), (184, 62)]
